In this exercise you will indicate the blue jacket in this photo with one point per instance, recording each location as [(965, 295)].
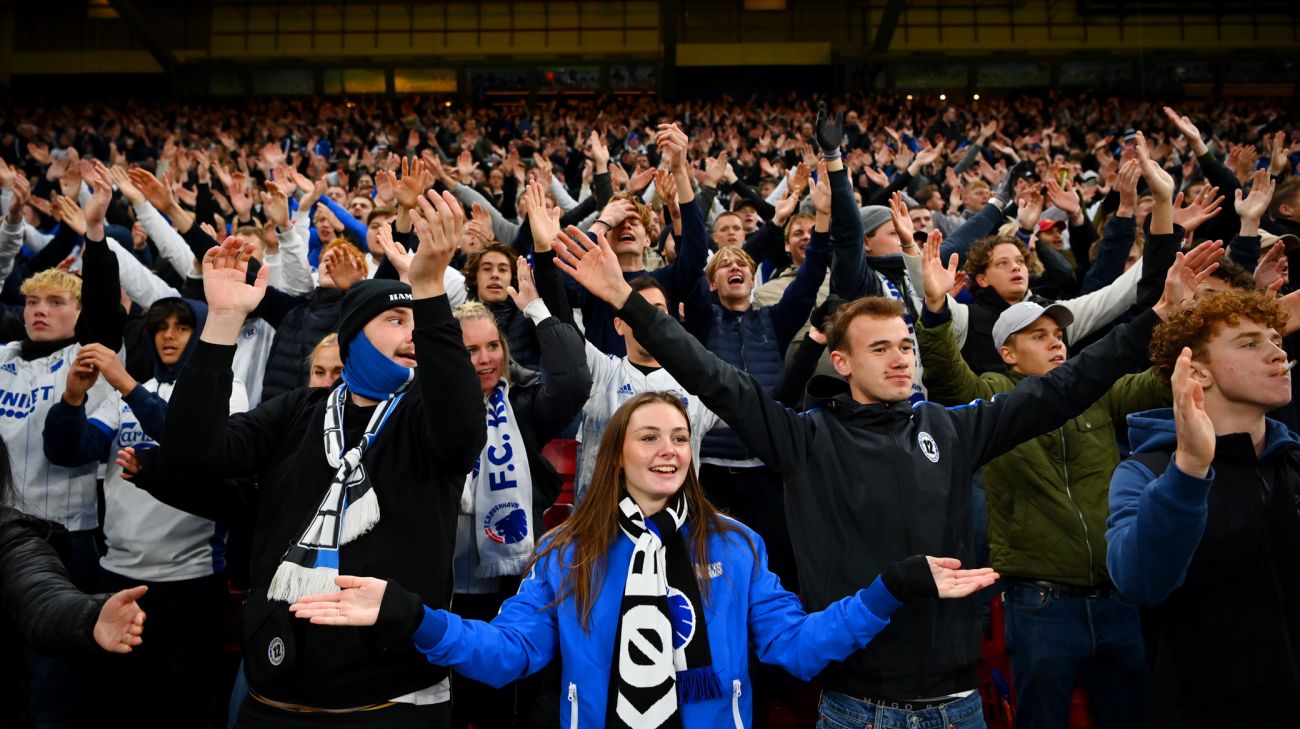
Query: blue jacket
[(746, 608), (1156, 524)]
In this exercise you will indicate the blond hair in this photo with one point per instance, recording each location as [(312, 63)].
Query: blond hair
[(53, 278), (472, 310)]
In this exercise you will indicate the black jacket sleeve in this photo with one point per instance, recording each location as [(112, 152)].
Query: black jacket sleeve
[(215, 499), (455, 421), (102, 317), (52, 614), (553, 405), (202, 436)]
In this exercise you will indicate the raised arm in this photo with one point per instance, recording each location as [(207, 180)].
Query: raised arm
[(776, 434), (453, 403), (1156, 523)]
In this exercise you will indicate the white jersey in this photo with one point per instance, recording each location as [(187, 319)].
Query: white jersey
[(614, 381), (251, 351), (148, 540), (27, 390)]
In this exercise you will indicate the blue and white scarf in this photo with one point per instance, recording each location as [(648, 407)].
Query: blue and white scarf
[(350, 507), (499, 493)]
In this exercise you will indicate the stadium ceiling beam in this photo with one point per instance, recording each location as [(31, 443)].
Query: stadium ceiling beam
[(134, 19), (888, 24)]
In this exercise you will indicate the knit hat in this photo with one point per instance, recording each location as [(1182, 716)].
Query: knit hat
[(363, 302), (874, 216)]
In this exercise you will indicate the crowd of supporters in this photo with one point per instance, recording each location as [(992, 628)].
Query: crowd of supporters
[(840, 371)]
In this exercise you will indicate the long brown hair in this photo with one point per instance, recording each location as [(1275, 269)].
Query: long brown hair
[(592, 529)]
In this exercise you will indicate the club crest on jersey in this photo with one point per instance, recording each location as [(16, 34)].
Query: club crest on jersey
[(928, 447)]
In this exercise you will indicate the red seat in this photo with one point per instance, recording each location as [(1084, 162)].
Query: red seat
[(562, 453)]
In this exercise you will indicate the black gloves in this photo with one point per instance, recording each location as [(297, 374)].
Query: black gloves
[(1005, 192), (822, 313), (910, 579), (830, 134)]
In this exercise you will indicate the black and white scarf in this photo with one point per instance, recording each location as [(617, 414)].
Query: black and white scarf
[(348, 510), (662, 657)]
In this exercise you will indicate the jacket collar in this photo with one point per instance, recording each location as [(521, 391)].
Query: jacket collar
[(832, 394)]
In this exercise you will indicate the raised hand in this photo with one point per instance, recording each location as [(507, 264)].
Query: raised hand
[(672, 143), (465, 166), (1252, 207), (1186, 275), (902, 221), (121, 621), (344, 267), (397, 255), (527, 291), (97, 206), (22, 192), (666, 186), (157, 193), (1127, 181), (599, 152), (714, 169), (1187, 129), (416, 178), (938, 279), (275, 206), (69, 213), (1192, 425), (1273, 269), (593, 265), (225, 281), (952, 581), (438, 222), (1200, 209), (1064, 198), (356, 603), (639, 180), (828, 132), (1161, 186)]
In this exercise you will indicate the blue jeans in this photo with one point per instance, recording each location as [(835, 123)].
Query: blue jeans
[(1055, 639), (838, 711)]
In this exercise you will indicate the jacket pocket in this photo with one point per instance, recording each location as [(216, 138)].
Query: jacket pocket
[(573, 706), (735, 704)]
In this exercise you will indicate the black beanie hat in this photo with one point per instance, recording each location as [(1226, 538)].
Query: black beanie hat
[(363, 302)]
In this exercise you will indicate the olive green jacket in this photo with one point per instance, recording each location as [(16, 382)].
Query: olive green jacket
[(1048, 498)]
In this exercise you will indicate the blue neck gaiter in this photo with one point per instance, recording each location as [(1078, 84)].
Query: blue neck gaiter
[(369, 373)]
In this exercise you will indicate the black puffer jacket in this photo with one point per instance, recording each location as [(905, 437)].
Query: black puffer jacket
[(52, 614), (300, 323)]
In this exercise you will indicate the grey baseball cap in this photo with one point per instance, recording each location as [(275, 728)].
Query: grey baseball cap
[(1017, 317)]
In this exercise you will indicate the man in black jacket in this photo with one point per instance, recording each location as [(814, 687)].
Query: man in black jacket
[(870, 478), (378, 493)]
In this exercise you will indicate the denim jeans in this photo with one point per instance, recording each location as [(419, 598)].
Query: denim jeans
[(838, 711), (1055, 639)]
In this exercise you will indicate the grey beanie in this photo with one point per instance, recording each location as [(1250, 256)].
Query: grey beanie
[(874, 216)]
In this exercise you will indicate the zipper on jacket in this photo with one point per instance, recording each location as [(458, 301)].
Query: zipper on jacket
[(735, 704), (907, 533), (573, 706), (1065, 469)]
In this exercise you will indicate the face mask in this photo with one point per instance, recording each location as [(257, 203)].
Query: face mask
[(369, 373)]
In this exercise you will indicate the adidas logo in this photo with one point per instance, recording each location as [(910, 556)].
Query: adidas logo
[(626, 389), (10, 368)]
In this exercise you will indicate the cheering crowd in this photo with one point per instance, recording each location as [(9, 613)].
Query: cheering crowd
[(839, 371)]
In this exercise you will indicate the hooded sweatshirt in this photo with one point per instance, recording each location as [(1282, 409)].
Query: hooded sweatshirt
[(1213, 559), (146, 539)]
